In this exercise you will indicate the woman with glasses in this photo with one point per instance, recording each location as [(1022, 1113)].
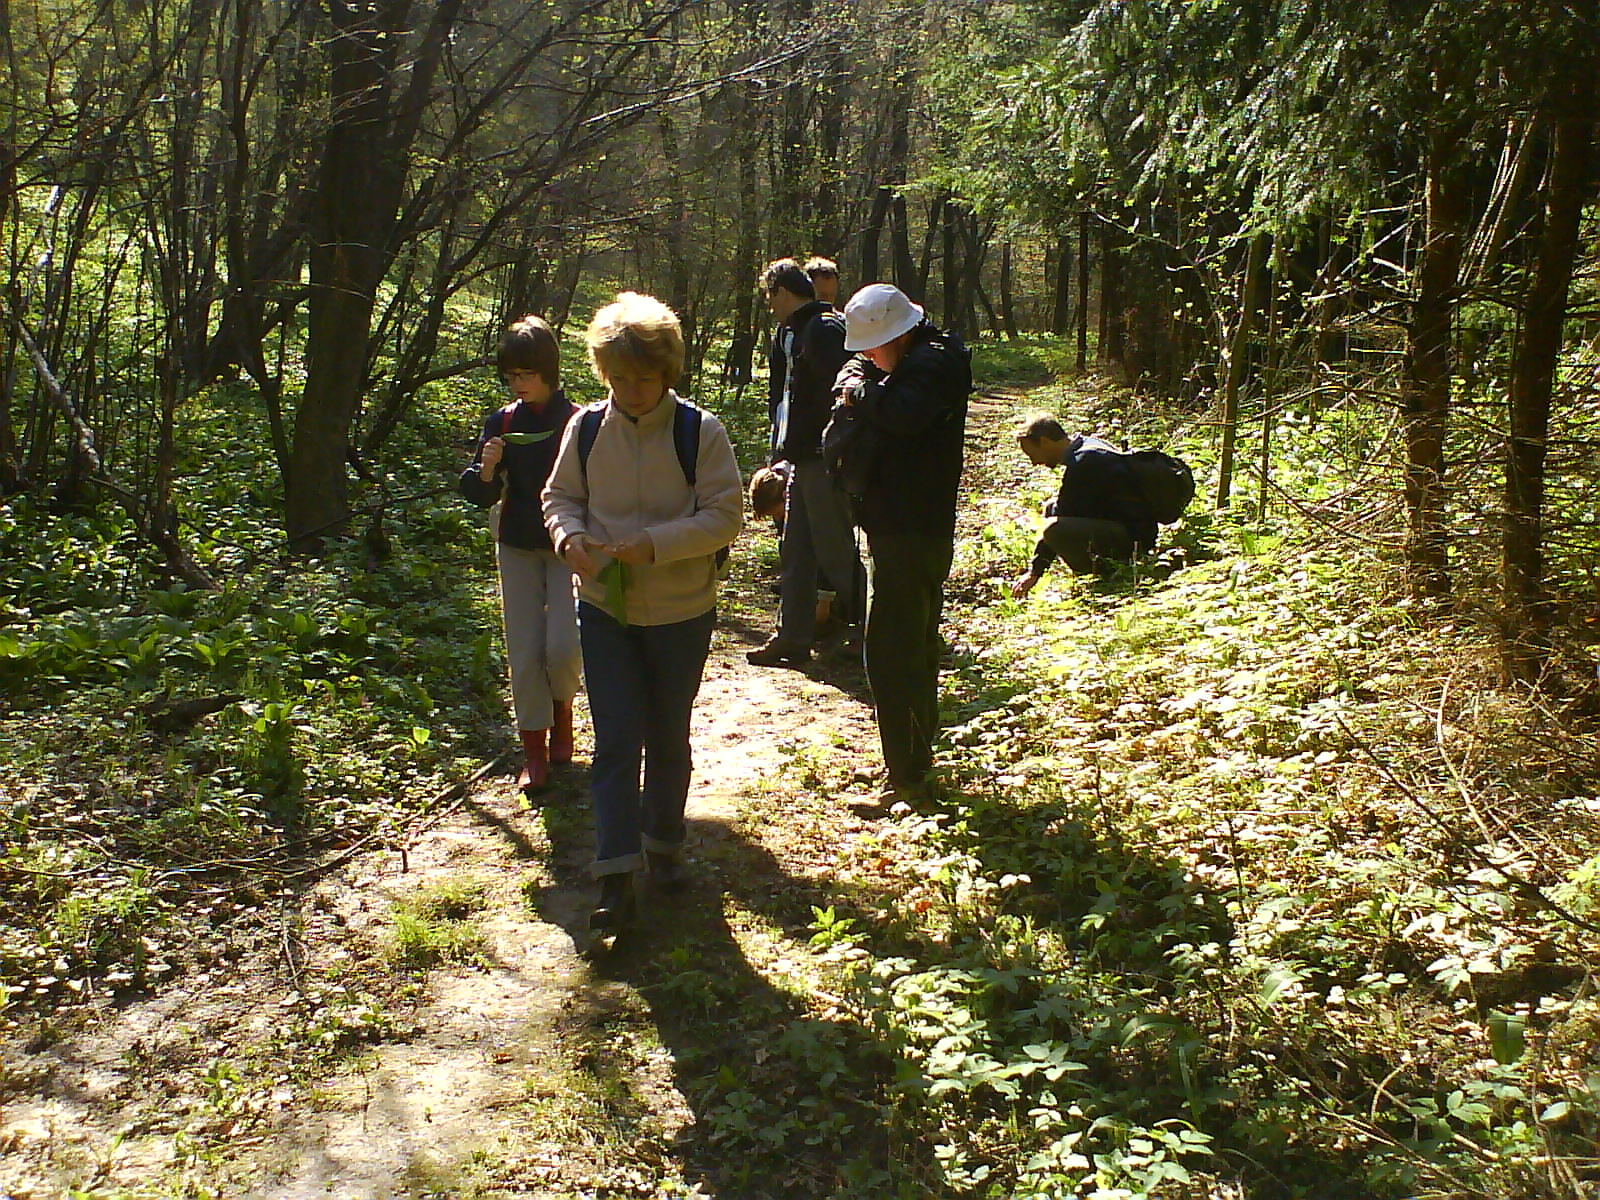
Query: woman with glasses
[(515, 454)]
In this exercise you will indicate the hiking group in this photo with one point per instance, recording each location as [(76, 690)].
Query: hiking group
[(611, 528)]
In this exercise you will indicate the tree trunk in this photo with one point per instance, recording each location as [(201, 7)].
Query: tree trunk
[(899, 151), (833, 83), (1083, 291), (1061, 308), (954, 305), (905, 267), (361, 187), (1427, 387), (1269, 376), (738, 366), (1113, 342), (1008, 319), (1533, 373), (1238, 356), (872, 233)]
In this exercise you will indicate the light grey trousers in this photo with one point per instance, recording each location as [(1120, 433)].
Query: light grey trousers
[(541, 619)]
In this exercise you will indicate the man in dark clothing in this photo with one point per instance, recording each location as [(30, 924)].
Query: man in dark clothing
[(817, 530), (1100, 517), (909, 385)]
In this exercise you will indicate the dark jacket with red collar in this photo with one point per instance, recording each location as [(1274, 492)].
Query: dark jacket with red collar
[(523, 470)]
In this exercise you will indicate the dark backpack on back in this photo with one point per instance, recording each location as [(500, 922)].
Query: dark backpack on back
[(1164, 483), (850, 448), (685, 440), (1167, 483)]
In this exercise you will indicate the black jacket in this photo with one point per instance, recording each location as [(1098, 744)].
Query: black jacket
[(521, 475), (920, 413), (1098, 484), (818, 354)]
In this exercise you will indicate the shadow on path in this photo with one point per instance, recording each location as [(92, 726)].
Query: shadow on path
[(783, 1104)]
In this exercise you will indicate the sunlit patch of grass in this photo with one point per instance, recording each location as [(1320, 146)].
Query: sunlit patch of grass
[(436, 924)]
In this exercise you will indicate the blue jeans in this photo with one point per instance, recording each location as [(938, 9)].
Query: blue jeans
[(642, 681)]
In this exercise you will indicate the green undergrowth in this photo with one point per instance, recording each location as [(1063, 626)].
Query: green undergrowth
[(165, 749), (1252, 880)]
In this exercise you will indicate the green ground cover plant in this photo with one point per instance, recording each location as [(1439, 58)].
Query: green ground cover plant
[(1252, 878)]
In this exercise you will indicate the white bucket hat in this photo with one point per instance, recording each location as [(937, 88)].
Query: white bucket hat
[(878, 313)]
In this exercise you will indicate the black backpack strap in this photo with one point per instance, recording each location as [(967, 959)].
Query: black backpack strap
[(588, 430), (686, 438)]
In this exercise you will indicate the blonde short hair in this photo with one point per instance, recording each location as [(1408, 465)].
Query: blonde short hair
[(636, 331)]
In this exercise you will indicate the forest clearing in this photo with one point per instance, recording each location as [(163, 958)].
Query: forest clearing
[(1264, 865)]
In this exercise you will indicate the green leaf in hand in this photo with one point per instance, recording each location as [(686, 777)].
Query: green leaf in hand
[(526, 439), (614, 578)]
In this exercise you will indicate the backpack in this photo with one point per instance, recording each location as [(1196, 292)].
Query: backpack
[(685, 440), (850, 447), (1166, 481)]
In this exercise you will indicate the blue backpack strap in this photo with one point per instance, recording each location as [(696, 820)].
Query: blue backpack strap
[(686, 438), (686, 441), (588, 429)]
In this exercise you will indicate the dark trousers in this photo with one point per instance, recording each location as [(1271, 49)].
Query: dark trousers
[(642, 682), (817, 532), (1088, 545), (905, 598)]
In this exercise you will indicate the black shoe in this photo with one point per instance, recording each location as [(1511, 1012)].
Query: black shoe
[(845, 644), (778, 653), (616, 903), (666, 871)]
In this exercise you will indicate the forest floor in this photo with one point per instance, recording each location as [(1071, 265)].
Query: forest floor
[(534, 1065), (519, 1047), (523, 1061), (1248, 881)]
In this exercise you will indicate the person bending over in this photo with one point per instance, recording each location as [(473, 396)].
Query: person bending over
[(1099, 518)]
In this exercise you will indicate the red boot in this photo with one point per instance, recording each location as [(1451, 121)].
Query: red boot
[(535, 771), (561, 733)]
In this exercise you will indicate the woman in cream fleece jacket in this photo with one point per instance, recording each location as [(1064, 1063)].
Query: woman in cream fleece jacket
[(643, 540)]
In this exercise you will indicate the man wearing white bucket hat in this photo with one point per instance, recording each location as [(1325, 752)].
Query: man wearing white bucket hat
[(908, 387)]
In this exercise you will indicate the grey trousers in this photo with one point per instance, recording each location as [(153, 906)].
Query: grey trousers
[(1087, 545), (817, 532)]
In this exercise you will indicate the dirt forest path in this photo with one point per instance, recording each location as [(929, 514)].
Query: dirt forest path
[(480, 1076), (297, 1055)]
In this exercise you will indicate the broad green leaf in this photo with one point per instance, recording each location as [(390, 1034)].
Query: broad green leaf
[(526, 439), (1506, 1038), (1276, 983), (614, 578)]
